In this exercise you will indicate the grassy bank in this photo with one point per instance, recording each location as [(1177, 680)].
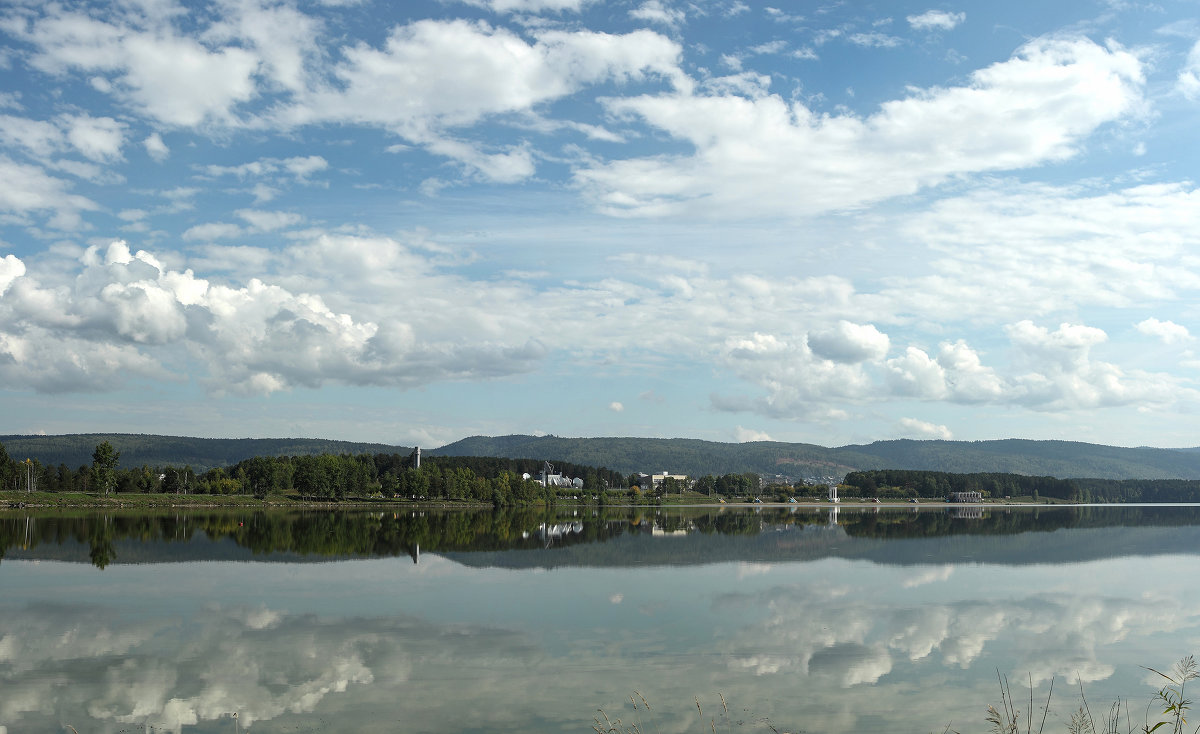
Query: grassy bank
[(134, 501)]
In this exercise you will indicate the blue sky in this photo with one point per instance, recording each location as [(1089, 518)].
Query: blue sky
[(414, 222)]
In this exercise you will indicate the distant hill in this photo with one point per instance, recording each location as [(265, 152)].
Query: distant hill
[(673, 455), (1064, 459), (201, 454)]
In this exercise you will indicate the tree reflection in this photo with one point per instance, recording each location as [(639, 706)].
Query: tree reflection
[(569, 535)]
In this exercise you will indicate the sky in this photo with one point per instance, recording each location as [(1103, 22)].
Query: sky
[(820, 222)]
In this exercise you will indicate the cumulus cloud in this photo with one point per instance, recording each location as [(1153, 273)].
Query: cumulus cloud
[(174, 79), (957, 373), (1188, 80), (123, 312), (97, 138), (1168, 331), (848, 342), (616, 406), (1065, 376), (940, 20), (432, 76), (746, 435), (761, 154), (11, 268), (797, 382), (156, 148), (915, 428)]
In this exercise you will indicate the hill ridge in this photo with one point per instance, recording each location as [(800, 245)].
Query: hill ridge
[(693, 456)]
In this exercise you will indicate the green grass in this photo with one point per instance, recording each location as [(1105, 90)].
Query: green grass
[(131, 500)]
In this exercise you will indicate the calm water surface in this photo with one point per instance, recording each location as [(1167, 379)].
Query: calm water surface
[(813, 620)]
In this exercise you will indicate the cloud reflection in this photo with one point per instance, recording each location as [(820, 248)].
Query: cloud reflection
[(851, 639)]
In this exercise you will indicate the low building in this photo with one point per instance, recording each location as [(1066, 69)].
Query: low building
[(656, 480), (966, 497)]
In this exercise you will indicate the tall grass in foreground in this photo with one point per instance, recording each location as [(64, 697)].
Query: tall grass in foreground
[(1117, 719), (1008, 719)]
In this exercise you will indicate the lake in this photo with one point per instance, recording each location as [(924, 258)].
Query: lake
[(676, 620)]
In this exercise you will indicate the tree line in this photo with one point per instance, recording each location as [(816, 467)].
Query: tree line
[(332, 477), (906, 483), (502, 481)]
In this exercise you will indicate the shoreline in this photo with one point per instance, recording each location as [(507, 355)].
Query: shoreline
[(16, 500)]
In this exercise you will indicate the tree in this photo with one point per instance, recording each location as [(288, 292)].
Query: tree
[(104, 467), (8, 470)]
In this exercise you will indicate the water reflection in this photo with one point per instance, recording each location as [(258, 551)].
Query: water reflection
[(530, 622), (773, 533)]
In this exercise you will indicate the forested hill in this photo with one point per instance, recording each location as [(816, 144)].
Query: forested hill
[(200, 454), (673, 455), (1064, 459)]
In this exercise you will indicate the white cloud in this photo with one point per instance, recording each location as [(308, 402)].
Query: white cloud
[(1066, 348), (848, 342), (796, 381), (211, 231), (28, 189), (936, 20), (530, 6), (746, 435), (1188, 80), (616, 406), (97, 138), (174, 79), (284, 38), (656, 11), (38, 137), (1063, 376), (915, 428), (1168, 331), (763, 155), (11, 268), (304, 166), (874, 40), (156, 148), (297, 168), (268, 221), (124, 311), (433, 76)]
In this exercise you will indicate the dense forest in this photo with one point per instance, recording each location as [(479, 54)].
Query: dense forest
[(904, 483), (336, 477), (312, 477)]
